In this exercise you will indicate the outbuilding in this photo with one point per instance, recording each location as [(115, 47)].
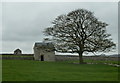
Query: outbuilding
[(44, 51), (17, 52)]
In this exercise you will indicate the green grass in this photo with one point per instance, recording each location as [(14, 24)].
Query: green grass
[(28, 70)]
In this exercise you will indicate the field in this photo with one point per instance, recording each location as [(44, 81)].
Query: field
[(29, 70)]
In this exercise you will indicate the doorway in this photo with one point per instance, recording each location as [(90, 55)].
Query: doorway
[(42, 57)]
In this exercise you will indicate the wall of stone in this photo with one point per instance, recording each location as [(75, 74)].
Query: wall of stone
[(61, 57), (48, 55), (65, 58), (19, 54), (101, 58), (17, 58)]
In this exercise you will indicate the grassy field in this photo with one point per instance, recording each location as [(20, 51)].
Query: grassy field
[(28, 70)]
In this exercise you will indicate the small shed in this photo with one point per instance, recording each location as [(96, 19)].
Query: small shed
[(44, 51), (17, 52)]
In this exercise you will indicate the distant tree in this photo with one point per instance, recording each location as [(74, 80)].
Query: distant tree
[(80, 32)]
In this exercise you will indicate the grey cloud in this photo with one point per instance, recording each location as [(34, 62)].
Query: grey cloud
[(23, 22)]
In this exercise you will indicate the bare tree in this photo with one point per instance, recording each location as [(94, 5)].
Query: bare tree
[(80, 31)]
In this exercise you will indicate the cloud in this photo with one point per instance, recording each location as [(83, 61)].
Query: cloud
[(23, 22)]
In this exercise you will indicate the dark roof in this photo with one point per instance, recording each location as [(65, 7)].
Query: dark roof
[(17, 50), (48, 45)]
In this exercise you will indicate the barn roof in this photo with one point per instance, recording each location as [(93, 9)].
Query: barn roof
[(17, 50), (48, 45)]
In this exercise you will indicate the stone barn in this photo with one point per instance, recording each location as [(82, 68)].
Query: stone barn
[(44, 51), (17, 52)]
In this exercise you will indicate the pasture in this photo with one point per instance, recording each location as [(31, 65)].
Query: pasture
[(30, 70)]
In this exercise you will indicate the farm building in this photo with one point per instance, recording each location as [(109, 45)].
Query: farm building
[(44, 51), (17, 52)]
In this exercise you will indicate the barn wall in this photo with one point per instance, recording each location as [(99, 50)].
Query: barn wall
[(48, 56), (36, 54)]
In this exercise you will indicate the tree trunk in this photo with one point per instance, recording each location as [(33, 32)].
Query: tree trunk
[(81, 58)]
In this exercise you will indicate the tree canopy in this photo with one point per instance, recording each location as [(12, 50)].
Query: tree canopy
[(80, 31)]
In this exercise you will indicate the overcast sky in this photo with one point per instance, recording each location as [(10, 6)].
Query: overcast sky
[(23, 22)]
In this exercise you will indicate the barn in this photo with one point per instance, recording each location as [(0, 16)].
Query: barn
[(44, 51), (17, 52)]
